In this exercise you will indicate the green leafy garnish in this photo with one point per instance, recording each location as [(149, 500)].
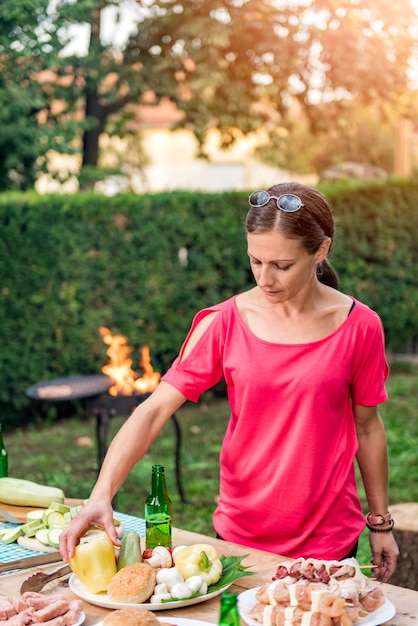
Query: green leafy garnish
[(232, 570)]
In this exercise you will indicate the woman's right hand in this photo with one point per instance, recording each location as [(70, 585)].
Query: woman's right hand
[(127, 447), (96, 512)]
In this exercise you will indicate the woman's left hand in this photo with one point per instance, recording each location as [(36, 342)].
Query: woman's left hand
[(385, 553)]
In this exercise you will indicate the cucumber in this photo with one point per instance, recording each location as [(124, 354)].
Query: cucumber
[(130, 550), (27, 493)]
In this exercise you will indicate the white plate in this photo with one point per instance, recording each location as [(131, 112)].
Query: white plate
[(80, 619), (247, 599), (177, 621), (102, 599)]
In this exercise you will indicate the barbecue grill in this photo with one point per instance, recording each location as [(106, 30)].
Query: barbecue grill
[(92, 390)]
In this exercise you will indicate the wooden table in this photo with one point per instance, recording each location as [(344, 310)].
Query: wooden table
[(263, 563)]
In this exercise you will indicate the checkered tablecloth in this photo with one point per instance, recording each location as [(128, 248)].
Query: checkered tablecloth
[(13, 551)]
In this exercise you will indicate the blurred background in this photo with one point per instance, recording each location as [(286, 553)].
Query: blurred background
[(214, 95), (131, 133)]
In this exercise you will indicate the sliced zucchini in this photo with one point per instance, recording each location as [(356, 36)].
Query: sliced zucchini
[(11, 535), (53, 537), (54, 519), (75, 509), (60, 507), (45, 514), (42, 536), (34, 515), (29, 529)]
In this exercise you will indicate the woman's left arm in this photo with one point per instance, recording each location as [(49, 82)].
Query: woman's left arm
[(372, 458)]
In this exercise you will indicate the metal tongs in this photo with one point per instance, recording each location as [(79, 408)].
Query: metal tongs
[(40, 579)]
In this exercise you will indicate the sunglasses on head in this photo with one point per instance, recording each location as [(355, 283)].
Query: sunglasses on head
[(287, 202)]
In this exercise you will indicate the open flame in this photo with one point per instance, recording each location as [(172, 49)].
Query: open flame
[(119, 369)]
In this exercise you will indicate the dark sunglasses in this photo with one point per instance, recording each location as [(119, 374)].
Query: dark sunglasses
[(287, 202)]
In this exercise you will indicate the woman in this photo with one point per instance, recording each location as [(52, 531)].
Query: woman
[(305, 371)]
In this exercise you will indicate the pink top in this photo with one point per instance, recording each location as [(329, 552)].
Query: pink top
[(287, 478)]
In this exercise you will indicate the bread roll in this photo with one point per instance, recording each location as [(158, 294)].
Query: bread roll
[(131, 617), (132, 584)]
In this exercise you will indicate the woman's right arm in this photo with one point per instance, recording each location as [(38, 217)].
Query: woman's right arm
[(127, 448)]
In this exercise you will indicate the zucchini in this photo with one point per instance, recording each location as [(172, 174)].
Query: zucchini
[(55, 520), (130, 550), (11, 535), (29, 529), (60, 507), (27, 493), (34, 515), (41, 535), (53, 537)]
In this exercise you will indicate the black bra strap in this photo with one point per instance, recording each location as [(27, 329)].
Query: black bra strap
[(351, 307)]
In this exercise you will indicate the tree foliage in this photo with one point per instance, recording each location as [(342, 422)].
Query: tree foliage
[(20, 97), (233, 64), (244, 63)]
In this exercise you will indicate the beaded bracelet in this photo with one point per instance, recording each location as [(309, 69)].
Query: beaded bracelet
[(375, 522)]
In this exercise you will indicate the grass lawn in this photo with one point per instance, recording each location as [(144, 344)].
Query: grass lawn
[(63, 453)]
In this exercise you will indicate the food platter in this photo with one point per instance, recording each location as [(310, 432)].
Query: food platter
[(102, 599), (247, 600), (80, 620), (182, 621), (177, 621)]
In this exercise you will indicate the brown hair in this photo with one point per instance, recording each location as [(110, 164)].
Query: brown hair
[(312, 224)]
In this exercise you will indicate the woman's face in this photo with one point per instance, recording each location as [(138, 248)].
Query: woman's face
[(281, 266)]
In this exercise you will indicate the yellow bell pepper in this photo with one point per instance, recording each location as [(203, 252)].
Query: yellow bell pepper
[(94, 563), (199, 559)]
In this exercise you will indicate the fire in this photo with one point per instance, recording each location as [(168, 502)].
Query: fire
[(119, 369)]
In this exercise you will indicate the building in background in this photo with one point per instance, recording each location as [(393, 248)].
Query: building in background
[(156, 158)]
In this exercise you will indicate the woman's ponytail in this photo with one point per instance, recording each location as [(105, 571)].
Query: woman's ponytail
[(327, 275)]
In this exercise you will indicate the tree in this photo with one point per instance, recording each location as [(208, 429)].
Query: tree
[(233, 64), (20, 99), (30, 127), (336, 52)]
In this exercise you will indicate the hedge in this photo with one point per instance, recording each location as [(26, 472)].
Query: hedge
[(143, 265)]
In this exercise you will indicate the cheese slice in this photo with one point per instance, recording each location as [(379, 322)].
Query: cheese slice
[(267, 615), (315, 598), (292, 593), (270, 591), (306, 619)]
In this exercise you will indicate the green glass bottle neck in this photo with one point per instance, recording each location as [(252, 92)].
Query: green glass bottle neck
[(158, 485), (229, 615), (4, 461)]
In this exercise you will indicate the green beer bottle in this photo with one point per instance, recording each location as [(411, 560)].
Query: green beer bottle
[(158, 511), (229, 615), (4, 458)]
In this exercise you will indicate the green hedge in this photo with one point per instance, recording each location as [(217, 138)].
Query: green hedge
[(70, 264), (376, 253)]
